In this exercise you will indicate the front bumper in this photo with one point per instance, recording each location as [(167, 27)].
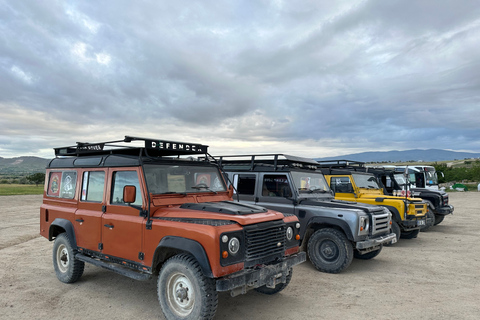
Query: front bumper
[(267, 275), (448, 209), (413, 224), (361, 245)]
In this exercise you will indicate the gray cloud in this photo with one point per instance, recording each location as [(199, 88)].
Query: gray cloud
[(328, 77)]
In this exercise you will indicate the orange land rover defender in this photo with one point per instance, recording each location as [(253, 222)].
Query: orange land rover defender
[(149, 210)]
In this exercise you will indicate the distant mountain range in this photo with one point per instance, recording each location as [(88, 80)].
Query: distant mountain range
[(22, 165), (430, 155)]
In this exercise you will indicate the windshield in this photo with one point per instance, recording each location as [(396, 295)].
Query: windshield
[(310, 182), (365, 181), (400, 179), (174, 178), (431, 177)]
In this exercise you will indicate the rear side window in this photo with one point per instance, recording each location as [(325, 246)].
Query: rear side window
[(93, 186), (62, 184), (244, 183), (122, 179)]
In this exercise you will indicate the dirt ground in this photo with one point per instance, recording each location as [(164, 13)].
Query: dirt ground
[(435, 276)]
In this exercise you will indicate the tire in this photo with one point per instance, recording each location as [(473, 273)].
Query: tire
[(329, 250), (410, 234), (438, 219), (430, 221), (367, 256), (279, 287), (183, 290), (396, 230), (67, 268)]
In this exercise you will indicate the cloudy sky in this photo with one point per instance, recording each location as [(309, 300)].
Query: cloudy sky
[(310, 78)]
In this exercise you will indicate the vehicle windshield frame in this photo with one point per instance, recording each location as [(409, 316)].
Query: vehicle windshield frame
[(314, 183), (365, 181), (183, 178)]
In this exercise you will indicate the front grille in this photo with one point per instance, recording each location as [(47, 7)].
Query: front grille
[(380, 222), (419, 208), (265, 242)]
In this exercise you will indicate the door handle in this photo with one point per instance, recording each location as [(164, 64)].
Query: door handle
[(109, 226), (79, 220)]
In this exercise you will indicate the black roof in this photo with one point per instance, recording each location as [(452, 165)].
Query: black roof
[(333, 167), (272, 161)]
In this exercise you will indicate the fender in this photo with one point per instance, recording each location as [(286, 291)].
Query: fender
[(185, 245), (333, 222), (394, 212), (429, 204), (65, 225)]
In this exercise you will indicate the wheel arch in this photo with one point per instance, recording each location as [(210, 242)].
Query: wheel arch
[(59, 226), (394, 212), (170, 246), (317, 223)]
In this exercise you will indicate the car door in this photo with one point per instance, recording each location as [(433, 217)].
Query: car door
[(88, 217), (274, 191), (122, 225)]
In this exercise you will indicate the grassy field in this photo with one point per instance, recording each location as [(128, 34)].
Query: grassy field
[(20, 189)]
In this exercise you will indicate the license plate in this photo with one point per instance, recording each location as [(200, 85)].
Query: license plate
[(420, 222)]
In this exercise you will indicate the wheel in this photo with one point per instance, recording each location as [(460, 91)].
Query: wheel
[(410, 234), (67, 268), (183, 290), (430, 221), (329, 250), (438, 219), (395, 229), (279, 287), (367, 256)]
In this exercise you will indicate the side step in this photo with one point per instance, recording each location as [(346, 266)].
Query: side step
[(115, 268)]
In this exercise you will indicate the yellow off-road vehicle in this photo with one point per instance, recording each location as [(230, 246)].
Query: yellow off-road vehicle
[(350, 182)]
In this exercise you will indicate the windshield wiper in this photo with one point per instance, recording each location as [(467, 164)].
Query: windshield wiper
[(203, 186), (172, 192)]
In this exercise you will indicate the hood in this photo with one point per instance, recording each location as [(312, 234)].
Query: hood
[(225, 211), (341, 204)]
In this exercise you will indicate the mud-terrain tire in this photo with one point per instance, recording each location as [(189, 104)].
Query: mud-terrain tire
[(184, 292), (430, 221), (279, 287), (368, 255), (410, 234), (438, 219), (67, 268), (329, 250), (396, 230)]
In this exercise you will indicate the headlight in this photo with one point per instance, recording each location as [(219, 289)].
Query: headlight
[(233, 245), (289, 233), (364, 224)]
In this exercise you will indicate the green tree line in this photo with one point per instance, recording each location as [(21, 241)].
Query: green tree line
[(471, 172)]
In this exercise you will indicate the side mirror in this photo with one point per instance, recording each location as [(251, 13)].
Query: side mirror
[(129, 194)]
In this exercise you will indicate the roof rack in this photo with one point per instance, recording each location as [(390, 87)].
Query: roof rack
[(151, 148), (341, 164), (276, 160)]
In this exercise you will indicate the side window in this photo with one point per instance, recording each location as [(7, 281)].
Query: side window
[(122, 179), (341, 185), (93, 186), (62, 184), (276, 186), (245, 183)]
